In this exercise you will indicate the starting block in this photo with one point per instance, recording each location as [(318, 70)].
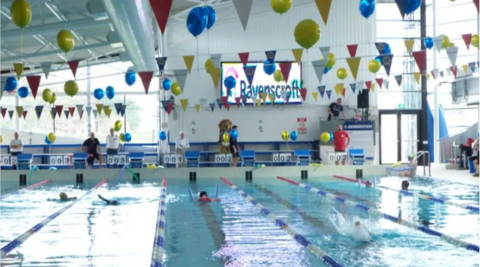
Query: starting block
[(136, 160), (79, 160), (357, 156), (248, 158), (24, 161), (303, 157), (192, 158)]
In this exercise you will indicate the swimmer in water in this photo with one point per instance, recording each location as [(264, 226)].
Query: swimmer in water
[(109, 202), (63, 197), (405, 185), (368, 184), (204, 198), (360, 234)]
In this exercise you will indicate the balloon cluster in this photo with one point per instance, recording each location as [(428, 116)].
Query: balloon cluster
[(50, 138), (326, 137), (200, 18), (330, 63), (292, 135), (48, 96), (125, 137)]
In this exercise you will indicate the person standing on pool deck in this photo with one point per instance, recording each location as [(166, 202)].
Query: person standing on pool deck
[(234, 149), (334, 110), (341, 140), (16, 147), (181, 145), (93, 149), (112, 143)]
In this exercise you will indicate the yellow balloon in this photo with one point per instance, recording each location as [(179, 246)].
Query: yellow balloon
[(53, 99), (1, 139), (330, 61), (117, 126), (226, 137), (281, 6), (445, 42), (51, 137), (47, 95), (278, 76), (70, 88), (325, 137), (122, 137), (475, 40), (65, 40), (285, 135), (307, 33), (374, 66), (209, 65), (342, 73), (451, 44), (21, 13), (176, 90)]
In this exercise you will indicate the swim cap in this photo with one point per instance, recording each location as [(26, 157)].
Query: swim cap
[(63, 195)]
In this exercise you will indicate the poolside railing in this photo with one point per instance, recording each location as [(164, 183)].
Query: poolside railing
[(327, 260), (158, 250), (23, 237), (26, 188), (372, 211)]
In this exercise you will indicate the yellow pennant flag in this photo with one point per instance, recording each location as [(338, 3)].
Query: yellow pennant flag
[(19, 110), (215, 73), (339, 88), (51, 114), (197, 107), (189, 62), (263, 96), (372, 88), (324, 8), (259, 102), (108, 111), (409, 45), (353, 64), (315, 95), (18, 67), (272, 98), (99, 108), (465, 69), (427, 76), (184, 103), (105, 109), (297, 53), (416, 75)]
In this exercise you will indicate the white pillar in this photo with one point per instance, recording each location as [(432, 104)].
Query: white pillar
[(436, 119), (15, 115), (89, 99)]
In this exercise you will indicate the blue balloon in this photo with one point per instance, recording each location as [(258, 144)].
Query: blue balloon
[(230, 82), (211, 16), (166, 84), (47, 141), (127, 137), (23, 92), (429, 42), (11, 84), (326, 70), (234, 134), (386, 49), (196, 21), (366, 7), (331, 136), (269, 68), (412, 5), (294, 135), (98, 93), (162, 135), (130, 77), (110, 92), (379, 59)]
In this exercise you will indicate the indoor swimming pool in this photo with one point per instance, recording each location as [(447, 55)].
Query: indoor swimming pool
[(235, 233)]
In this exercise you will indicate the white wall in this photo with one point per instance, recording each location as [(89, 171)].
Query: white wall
[(269, 31), (37, 138)]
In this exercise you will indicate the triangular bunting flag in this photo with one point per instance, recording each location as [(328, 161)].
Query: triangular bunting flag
[(216, 60), (105, 109), (19, 111), (438, 42), (467, 38), (284, 95), (372, 89), (339, 88), (212, 106), (89, 110), (434, 73), (319, 66), (465, 69), (181, 76), (271, 97), (161, 62), (95, 113), (285, 69), (472, 66), (46, 67), (108, 112), (454, 71), (315, 95), (189, 63), (325, 51), (452, 53), (353, 64), (81, 114), (79, 108), (59, 109), (184, 104), (197, 107), (387, 62), (402, 6), (66, 113), (161, 10), (18, 67), (416, 75), (329, 93), (263, 97), (73, 67), (441, 73), (250, 73), (71, 110), (33, 83), (476, 2), (244, 100), (118, 107), (165, 104), (219, 103), (409, 45), (215, 73), (449, 71), (99, 108), (297, 54), (321, 90), (259, 102), (368, 84), (324, 9), (225, 102), (38, 111), (146, 77), (353, 86), (386, 83), (4, 111), (244, 58), (10, 113), (380, 47), (379, 82), (24, 113), (343, 93), (237, 101), (427, 76), (271, 55), (243, 8), (303, 93), (352, 49)]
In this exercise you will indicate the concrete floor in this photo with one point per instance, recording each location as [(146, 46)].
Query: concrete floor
[(439, 171)]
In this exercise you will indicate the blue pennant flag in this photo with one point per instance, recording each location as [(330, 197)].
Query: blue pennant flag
[(250, 73), (118, 108), (402, 6), (244, 99), (161, 62), (271, 55), (353, 86), (399, 78), (472, 66), (329, 93), (212, 106), (54, 111), (387, 62), (321, 90), (219, 103), (38, 111), (165, 104), (124, 108)]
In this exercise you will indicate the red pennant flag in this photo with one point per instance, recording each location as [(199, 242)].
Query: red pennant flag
[(24, 113), (161, 9), (379, 82), (454, 71), (476, 4), (4, 111), (369, 84), (71, 110), (169, 107), (34, 82), (225, 102), (59, 110), (285, 69), (303, 93), (237, 99), (74, 66), (343, 92), (433, 75), (352, 49), (467, 38), (146, 77), (244, 58), (420, 57), (81, 114)]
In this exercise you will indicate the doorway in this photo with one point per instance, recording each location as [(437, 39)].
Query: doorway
[(399, 135)]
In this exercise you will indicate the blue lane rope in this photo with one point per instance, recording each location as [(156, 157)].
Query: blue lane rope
[(159, 241), (190, 193)]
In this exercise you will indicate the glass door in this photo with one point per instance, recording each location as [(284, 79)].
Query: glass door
[(388, 138), (409, 135)]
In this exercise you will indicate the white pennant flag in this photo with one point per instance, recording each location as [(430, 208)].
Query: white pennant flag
[(386, 83), (95, 113), (181, 76), (88, 109), (46, 66), (325, 51), (216, 60), (243, 8), (360, 86), (319, 66), (203, 103), (449, 72), (438, 42), (79, 108), (284, 94), (452, 53), (435, 73)]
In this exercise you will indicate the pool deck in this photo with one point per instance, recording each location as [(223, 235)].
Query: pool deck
[(439, 171)]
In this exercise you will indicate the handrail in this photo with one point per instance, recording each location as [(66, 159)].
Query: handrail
[(159, 241), (422, 154)]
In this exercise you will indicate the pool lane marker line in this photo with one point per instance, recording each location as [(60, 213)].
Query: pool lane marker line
[(369, 210), (425, 197), (159, 241), (23, 237), (26, 188), (327, 260)]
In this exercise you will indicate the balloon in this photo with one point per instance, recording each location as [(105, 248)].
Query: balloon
[(70, 88), (127, 137), (234, 134), (10, 84), (374, 66), (366, 8), (278, 76), (281, 6), (47, 141), (386, 49), (326, 70), (445, 41), (196, 21), (21, 13), (211, 16), (51, 137), (451, 44), (122, 137), (285, 135), (428, 42), (307, 33), (23, 92), (110, 92), (294, 135), (209, 65), (53, 99), (130, 78), (166, 84), (325, 137), (117, 126), (475, 40), (162, 135), (342, 73), (98, 93), (176, 90), (331, 136), (226, 137), (269, 68), (65, 40), (412, 5), (230, 82), (330, 61), (1, 139), (379, 59)]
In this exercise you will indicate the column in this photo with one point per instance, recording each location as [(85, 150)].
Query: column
[(436, 115), (89, 99)]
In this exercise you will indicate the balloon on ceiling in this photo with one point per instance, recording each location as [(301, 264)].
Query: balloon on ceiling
[(21, 13), (110, 92), (196, 21), (176, 90), (269, 68), (22, 92), (374, 66), (166, 84), (53, 98), (209, 65), (211, 16), (98, 93), (47, 95), (130, 77), (428, 42), (278, 76), (366, 8), (10, 84), (70, 88), (307, 33), (65, 40), (281, 6), (342, 73)]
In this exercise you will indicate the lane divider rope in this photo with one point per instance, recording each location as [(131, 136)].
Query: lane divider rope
[(26, 188), (159, 242)]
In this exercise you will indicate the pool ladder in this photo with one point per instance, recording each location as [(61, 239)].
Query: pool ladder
[(421, 154)]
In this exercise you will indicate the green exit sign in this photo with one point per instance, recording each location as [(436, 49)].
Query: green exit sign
[(401, 106)]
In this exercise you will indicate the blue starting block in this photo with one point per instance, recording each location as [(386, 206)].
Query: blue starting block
[(192, 158), (80, 160), (24, 161), (248, 158), (303, 157), (357, 156), (136, 160)]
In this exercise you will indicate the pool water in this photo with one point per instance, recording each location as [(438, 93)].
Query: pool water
[(233, 232)]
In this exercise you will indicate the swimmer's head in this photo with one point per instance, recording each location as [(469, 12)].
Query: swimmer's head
[(203, 193), (368, 184), (63, 196), (411, 157), (357, 223), (405, 185), (114, 202)]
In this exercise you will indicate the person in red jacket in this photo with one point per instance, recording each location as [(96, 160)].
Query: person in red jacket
[(204, 198), (341, 140)]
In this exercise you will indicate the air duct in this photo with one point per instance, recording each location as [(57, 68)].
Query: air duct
[(132, 21)]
